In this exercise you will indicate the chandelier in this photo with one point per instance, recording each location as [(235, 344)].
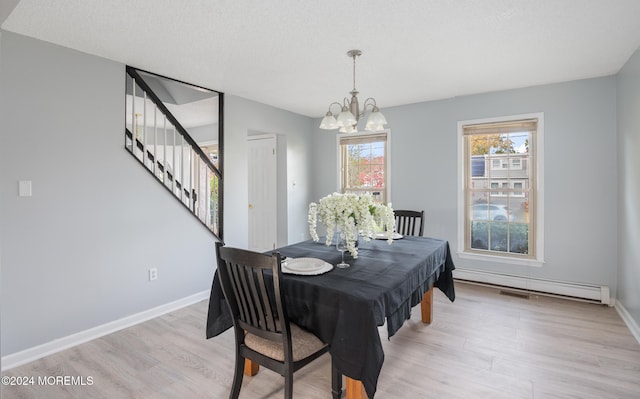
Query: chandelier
[(347, 120)]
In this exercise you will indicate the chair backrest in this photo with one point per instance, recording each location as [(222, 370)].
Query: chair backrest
[(409, 223), (251, 285)]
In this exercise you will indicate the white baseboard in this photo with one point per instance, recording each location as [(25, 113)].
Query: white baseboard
[(596, 293), (628, 320), (57, 345)]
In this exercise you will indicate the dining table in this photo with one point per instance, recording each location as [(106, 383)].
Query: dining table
[(344, 307)]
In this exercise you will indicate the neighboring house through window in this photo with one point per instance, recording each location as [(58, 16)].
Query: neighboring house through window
[(500, 192)]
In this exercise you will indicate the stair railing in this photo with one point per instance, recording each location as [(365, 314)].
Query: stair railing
[(156, 138)]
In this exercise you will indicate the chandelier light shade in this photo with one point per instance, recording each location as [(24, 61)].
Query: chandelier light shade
[(329, 122), (347, 119), (376, 120)]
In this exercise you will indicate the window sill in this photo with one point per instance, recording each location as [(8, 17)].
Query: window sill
[(501, 259)]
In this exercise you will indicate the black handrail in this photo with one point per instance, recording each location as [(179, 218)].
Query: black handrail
[(154, 98), (217, 170), (161, 167), (220, 164)]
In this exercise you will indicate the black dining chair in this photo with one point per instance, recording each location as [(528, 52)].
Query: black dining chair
[(409, 223), (252, 286)]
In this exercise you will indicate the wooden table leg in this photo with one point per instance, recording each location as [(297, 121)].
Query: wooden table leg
[(427, 306), (354, 388), (250, 368)]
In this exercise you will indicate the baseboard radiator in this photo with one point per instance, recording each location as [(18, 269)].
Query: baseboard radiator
[(583, 292)]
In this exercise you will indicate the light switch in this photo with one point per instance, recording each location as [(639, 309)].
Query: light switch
[(24, 188)]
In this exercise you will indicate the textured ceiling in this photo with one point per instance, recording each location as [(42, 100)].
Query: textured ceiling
[(292, 54)]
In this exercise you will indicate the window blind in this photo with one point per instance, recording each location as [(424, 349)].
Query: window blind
[(370, 138), (525, 125)]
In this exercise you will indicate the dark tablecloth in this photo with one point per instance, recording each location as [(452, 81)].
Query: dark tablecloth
[(345, 306)]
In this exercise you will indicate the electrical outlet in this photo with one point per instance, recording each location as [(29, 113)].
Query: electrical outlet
[(153, 274)]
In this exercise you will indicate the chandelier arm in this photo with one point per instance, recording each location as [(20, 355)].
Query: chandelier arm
[(368, 102), (335, 103)]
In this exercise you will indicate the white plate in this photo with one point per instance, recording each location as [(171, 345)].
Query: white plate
[(383, 236), (305, 266)]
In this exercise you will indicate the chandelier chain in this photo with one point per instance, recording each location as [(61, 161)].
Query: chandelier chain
[(354, 72)]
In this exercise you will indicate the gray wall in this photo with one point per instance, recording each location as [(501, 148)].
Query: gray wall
[(204, 133), (629, 186), (580, 146), (244, 117), (75, 254)]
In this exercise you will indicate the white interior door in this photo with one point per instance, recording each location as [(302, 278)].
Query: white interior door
[(263, 227)]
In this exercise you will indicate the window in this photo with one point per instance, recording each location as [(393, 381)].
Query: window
[(364, 164), (500, 211), (517, 189)]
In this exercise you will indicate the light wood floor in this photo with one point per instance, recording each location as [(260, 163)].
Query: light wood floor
[(484, 345)]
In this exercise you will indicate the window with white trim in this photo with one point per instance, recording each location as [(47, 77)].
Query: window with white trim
[(364, 164), (500, 188)]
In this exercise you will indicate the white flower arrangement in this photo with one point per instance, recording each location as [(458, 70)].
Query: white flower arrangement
[(354, 215)]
